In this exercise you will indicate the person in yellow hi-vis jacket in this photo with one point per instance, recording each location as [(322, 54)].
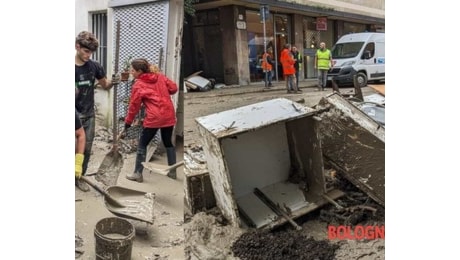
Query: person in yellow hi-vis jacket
[(323, 62), (80, 140)]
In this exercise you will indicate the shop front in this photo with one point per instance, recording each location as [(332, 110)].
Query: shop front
[(227, 43)]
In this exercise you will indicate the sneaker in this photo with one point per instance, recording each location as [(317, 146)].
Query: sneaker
[(135, 177), (82, 185)]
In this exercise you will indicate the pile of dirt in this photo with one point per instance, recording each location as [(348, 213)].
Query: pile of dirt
[(287, 245), (207, 236)]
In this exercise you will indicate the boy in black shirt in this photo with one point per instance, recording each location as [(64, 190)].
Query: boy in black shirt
[(87, 72)]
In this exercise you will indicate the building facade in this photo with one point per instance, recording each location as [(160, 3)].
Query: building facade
[(226, 38)]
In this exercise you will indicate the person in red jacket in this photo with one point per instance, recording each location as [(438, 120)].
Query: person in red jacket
[(287, 61), (153, 90)]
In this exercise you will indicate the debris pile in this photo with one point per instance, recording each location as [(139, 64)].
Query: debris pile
[(197, 83), (287, 245)]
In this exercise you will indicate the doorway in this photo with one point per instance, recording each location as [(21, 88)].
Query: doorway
[(282, 36)]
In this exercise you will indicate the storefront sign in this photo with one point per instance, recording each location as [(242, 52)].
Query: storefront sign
[(241, 25), (321, 23)]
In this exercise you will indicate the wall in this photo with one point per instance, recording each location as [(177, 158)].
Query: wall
[(374, 8), (229, 53), (82, 8)]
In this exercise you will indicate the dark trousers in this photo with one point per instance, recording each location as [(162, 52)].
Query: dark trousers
[(89, 125), (297, 79), (146, 136), (268, 77)]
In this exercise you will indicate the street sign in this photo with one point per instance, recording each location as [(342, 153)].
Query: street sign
[(264, 13)]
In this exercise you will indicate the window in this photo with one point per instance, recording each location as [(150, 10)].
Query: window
[(99, 29)]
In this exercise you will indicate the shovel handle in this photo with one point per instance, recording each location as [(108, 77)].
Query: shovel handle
[(104, 192), (95, 186), (174, 166)]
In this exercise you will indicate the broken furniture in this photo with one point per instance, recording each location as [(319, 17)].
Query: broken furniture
[(273, 147), (354, 143), (196, 82)]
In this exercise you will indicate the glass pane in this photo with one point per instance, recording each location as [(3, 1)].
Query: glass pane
[(255, 31)]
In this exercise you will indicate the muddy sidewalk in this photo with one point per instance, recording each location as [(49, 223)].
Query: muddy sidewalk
[(162, 240)]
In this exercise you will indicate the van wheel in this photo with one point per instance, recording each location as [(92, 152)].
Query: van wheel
[(361, 80)]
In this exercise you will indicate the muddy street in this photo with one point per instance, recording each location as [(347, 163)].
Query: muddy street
[(210, 236)]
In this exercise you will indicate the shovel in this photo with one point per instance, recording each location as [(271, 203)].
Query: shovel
[(113, 161), (126, 203), (161, 169)]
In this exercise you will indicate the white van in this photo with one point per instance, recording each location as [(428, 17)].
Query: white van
[(361, 54)]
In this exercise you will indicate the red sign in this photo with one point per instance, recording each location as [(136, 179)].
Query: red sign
[(321, 23)]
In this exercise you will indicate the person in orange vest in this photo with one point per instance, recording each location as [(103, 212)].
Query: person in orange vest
[(287, 61), (267, 67)]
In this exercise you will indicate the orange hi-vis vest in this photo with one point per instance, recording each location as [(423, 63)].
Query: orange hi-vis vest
[(265, 65), (288, 62)]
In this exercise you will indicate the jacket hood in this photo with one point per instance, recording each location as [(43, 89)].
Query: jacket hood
[(149, 77)]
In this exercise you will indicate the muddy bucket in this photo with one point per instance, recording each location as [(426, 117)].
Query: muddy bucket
[(114, 239)]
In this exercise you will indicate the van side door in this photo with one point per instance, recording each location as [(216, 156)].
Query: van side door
[(374, 60)]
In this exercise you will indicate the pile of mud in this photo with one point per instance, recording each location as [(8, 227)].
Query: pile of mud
[(208, 236), (287, 245)]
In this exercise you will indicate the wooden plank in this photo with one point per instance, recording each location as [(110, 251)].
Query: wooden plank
[(379, 88)]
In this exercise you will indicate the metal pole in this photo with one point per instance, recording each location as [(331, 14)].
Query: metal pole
[(265, 43)]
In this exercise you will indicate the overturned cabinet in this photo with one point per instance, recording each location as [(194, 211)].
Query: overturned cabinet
[(354, 142), (268, 151)]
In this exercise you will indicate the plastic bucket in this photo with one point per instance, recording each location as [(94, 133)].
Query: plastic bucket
[(114, 239)]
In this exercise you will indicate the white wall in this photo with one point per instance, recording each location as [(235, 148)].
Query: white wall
[(82, 9), (374, 8)]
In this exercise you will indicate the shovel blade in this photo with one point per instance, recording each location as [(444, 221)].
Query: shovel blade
[(110, 168), (138, 205)]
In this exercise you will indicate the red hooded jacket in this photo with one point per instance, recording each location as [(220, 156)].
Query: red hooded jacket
[(153, 90)]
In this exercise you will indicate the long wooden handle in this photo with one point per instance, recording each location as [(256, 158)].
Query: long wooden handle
[(115, 88), (280, 212), (95, 186), (174, 166), (117, 48), (102, 191)]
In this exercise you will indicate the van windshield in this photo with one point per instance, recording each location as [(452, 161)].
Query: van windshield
[(346, 50)]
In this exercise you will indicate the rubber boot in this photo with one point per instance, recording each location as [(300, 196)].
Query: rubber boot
[(171, 153), (140, 158)]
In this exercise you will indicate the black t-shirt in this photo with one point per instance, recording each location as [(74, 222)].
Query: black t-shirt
[(85, 76), (77, 122), (297, 60)]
